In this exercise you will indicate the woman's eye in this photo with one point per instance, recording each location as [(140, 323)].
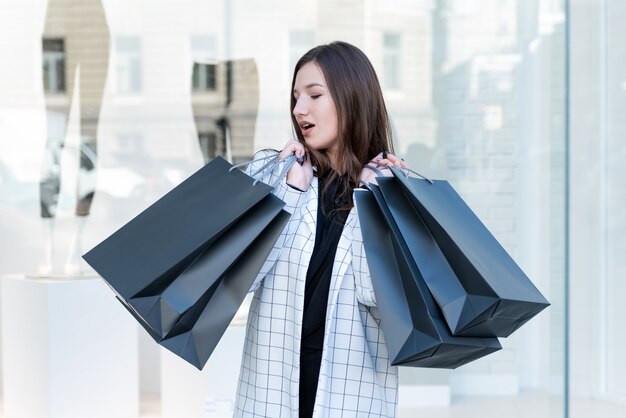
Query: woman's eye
[(315, 96)]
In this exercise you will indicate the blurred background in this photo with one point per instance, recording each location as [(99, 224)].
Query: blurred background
[(105, 105)]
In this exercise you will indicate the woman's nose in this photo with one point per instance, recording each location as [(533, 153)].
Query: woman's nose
[(300, 108)]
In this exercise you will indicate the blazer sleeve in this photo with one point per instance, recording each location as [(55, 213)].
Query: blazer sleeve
[(362, 278), (293, 199)]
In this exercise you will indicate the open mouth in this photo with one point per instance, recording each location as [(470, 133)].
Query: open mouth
[(306, 127)]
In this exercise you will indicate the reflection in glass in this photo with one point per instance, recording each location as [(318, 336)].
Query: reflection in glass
[(74, 55), (203, 52), (391, 58), (128, 59), (475, 93), (53, 57), (208, 145), (203, 77), (300, 41), (226, 114)]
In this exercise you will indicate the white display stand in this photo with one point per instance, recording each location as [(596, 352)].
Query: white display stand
[(187, 392), (69, 350)]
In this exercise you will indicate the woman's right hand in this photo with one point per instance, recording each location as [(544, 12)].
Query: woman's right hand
[(380, 162), (300, 175)]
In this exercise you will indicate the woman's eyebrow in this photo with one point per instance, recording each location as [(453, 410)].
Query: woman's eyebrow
[(309, 86)]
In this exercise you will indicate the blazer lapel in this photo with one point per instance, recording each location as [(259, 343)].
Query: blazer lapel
[(343, 257)]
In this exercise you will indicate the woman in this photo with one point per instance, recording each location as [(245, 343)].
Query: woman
[(313, 343)]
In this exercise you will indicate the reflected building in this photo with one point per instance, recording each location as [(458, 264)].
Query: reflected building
[(227, 85), (225, 98), (75, 58), (75, 37), (172, 102)]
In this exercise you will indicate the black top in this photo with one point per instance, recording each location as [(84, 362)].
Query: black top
[(328, 231)]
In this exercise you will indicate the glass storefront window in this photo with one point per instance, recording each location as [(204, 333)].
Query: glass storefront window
[(106, 105)]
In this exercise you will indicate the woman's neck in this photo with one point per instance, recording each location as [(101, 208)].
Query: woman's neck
[(331, 153)]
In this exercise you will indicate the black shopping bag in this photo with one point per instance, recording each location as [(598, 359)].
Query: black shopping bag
[(193, 251), (197, 332), (419, 244), (415, 332), (499, 297)]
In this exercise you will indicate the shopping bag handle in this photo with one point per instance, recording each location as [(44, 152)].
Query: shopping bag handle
[(374, 169), (377, 171), (272, 162), (416, 173), (289, 161)]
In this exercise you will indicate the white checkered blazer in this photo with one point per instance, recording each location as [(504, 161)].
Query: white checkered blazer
[(356, 379)]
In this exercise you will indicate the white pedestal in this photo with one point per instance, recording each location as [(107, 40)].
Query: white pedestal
[(187, 392), (69, 350)]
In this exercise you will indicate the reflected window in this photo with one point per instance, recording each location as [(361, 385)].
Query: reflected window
[(204, 76), (203, 52), (300, 41), (128, 71), (391, 56), (87, 157), (53, 65), (208, 145)]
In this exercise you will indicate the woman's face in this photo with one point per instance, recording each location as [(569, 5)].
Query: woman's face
[(315, 110)]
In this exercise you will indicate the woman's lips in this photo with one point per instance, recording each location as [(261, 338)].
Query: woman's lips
[(307, 128), (307, 131)]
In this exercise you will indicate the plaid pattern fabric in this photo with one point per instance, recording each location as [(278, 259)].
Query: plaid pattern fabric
[(356, 379)]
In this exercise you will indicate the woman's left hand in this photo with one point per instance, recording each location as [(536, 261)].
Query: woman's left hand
[(381, 161)]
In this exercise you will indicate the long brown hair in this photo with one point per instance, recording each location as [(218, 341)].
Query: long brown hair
[(363, 124)]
